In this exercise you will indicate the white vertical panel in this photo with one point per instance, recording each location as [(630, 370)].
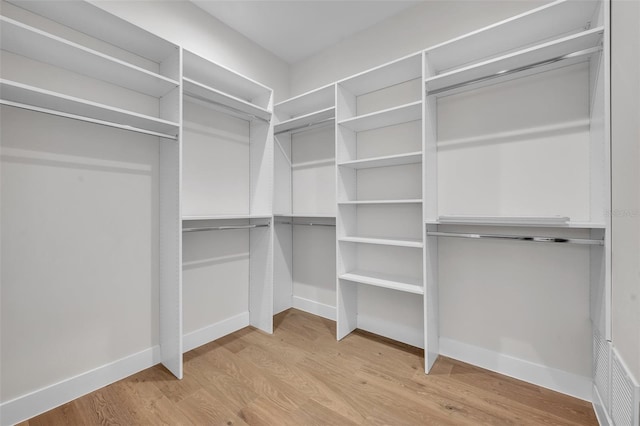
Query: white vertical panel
[(282, 268), (261, 278), (261, 167), (282, 174)]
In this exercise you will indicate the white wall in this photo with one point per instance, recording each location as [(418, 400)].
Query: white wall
[(189, 26), (414, 29), (626, 181)]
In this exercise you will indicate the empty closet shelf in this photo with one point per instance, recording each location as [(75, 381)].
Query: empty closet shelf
[(526, 238), (398, 242), (306, 122), (224, 228), (38, 45), (374, 202), (225, 217), (388, 117), (385, 161), (307, 103), (558, 53), (204, 93), (394, 282), (32, 98)]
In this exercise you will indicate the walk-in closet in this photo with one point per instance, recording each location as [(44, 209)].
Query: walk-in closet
[(411, 223)]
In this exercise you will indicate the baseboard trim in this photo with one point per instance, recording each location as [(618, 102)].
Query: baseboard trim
[(600, 410), (52, 396), (316, 308), (558, 380), (214, 331)]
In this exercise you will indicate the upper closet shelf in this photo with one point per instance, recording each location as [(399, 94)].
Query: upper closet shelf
[(306, 122), (396, 72), (515, 221), (38, 45), (398, 242), (102, 25), (547, 22), (225, 217), (388, 160), (35, 99), (204, 93), (306, 103), (558, 53), (380, 202), (225, 81), (388, 117)]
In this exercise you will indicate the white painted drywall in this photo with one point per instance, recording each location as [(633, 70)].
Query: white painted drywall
[(625, 123), (189, 26), (414, 29)]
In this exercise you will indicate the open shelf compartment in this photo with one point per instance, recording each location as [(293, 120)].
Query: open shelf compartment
[(393, 282), (387, 117), (307, 121)]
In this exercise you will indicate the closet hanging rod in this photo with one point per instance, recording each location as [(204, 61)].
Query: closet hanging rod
[(498, 74), (528, 238), (306, 224), (86, 119), (225, 106), (304, 126), (224, 228)]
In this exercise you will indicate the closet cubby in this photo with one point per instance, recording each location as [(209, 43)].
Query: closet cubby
[(304, 203), (379, 198)]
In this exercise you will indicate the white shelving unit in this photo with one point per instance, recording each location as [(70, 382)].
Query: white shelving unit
[(379, 197), (227, 196), (304, 203)]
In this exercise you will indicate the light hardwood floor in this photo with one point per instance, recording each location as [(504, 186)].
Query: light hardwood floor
[(302, 376)]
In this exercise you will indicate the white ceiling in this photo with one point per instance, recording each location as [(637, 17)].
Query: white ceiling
[(296, 29)]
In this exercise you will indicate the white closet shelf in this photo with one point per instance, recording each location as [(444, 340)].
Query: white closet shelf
[(550, 21), (385, 161), (387, 117), (311, 216), (500, 69), (28, 97), (398, 242), (33, 43), (374, 202), (225, 80), (306, 122), (225, 217), (394, 282), (550, 222), (306, 103), (392, 73), (205, 93)]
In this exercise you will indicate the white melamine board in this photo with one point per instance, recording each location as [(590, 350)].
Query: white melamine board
[(209, 94), (414, 243), (261, 168), (389, 183), (538, 25), (225, 217), (282, 174), (79, 241), (225, 80), (216, 173), (215, 269), (91, 20), (500, 156), (306, 103), (532, 55), (261, 278), (389, 160), (306, 121), (33, 43), (47, 100), (388, 220), (384, 118), (396, 72), (405, 262), (528, 301), (314, 264), (313, 173), (389, 141), (373, 202), (282, 268), (389, 97), (390, 281)]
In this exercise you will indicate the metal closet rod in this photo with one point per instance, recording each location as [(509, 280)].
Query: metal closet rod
[(515, 70), (224, 228), (306, 224), (304, 126), (527, 238), (225, 106)]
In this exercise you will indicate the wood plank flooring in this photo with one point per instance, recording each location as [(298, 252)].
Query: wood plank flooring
[(302, 376)]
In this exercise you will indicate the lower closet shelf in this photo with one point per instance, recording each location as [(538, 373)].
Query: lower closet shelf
[(399, 242), (393, 282)]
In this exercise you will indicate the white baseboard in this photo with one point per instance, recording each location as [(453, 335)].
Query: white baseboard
[(214, 331), (45, 399), (316, 308), (547, 377), (600, 410)]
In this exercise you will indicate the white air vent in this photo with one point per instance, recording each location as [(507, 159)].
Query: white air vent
[(601, 368), (625, 394)]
